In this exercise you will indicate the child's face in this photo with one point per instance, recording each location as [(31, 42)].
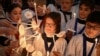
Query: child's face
[(66, 5), (40, 10), (84, 11), (92, 29), (30, 3), (15, 14), (49, 26)]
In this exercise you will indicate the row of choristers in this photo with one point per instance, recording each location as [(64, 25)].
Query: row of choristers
[(41, 29)]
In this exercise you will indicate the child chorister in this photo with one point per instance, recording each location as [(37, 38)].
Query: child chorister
[(67, 9), (85, 44), (48, 43), (77, 25)]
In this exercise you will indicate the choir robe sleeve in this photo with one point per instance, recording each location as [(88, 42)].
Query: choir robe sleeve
[(71, 48), (60, 46), (6, 23), (75, 46)]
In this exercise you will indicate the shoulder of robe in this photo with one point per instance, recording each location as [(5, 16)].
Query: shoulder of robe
[(77, 38), (61, 40)]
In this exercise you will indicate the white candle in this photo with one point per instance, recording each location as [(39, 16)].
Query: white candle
[(36, 12), (74, 15), (53, 39), (44, 9), (47, 53), (96, 40)]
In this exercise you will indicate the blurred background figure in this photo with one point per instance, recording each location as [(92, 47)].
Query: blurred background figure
[(9, 27), (17, 1)]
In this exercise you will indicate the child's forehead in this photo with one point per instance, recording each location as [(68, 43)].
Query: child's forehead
[(83, 5), (93, 24)]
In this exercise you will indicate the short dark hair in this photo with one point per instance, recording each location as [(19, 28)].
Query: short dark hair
[(88, 3), (56, 17), (94, 17), (12, 6)]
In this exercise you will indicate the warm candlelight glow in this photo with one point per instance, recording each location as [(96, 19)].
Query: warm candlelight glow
[(34, 4), (96, 40), (36, 12), (44, 9), (37, 53), (21, 30), (74, 15), (22, 42), (29, 48)]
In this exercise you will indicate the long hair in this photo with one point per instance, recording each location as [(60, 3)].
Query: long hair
[(56, 17)]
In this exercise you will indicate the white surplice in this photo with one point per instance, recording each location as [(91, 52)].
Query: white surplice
[(59, 46), (75, 47)]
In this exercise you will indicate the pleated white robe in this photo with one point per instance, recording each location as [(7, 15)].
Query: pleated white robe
[(60, 46), (75, 47)]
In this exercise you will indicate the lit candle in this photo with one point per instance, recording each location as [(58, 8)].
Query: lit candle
[(96, 40), (74, 15)]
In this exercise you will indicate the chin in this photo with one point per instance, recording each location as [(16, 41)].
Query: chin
[(92, 36), (89, 35)]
